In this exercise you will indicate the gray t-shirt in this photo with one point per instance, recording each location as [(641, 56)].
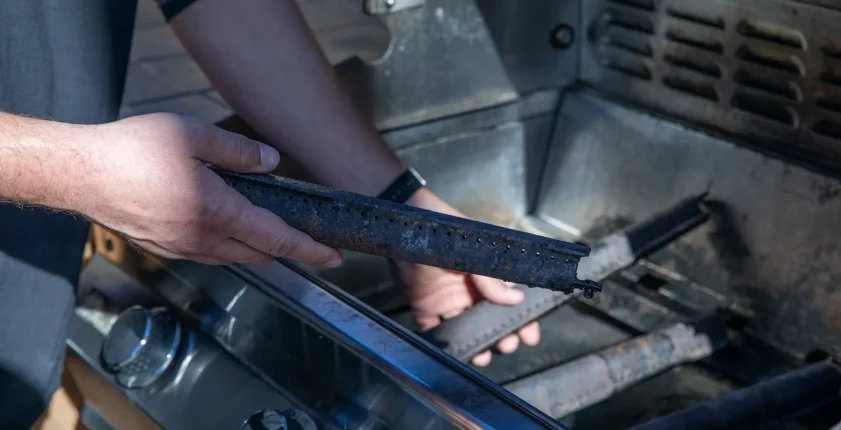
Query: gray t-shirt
[(63, 60)]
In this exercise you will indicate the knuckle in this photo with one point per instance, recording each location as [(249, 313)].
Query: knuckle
[(283, 246), (249, 153), (215, 214)]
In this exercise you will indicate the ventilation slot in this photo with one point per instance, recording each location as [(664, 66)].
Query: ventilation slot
[(829, 104), (699, 89), (764, 107), (696, 17), (678, 36), (696, 64), (631, 68), (630, 45), (832, 49), (646, 5), (816, 356), (831, 78), (774, 59), (828, 128), (789, 90), (772, 33), (652, 281), (631, 23)]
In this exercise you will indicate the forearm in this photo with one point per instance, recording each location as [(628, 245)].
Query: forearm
[(263, 59), (40, 162)]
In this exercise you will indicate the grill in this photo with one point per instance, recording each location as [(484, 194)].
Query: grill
[(584, 121)]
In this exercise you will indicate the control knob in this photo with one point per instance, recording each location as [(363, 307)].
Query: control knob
[(272, 419), (141, 346)]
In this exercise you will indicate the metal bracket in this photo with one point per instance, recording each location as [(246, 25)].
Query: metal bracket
[(382, 7)]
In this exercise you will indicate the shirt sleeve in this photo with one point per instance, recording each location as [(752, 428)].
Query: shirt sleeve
[(171, 8)]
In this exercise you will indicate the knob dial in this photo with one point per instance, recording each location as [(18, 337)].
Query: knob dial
[(141, 346), (272, 419)]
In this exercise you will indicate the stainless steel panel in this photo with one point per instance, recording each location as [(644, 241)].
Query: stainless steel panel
[(445, 39), (334, 355), (538, 40), (763, 70), (204, 378)]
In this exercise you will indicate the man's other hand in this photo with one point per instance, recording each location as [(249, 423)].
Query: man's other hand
[(437, 294), (149, 181)]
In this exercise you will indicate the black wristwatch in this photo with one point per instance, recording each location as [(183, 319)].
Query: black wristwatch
[(404, 187)]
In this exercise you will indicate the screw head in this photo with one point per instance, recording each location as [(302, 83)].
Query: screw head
[(390, 3), (563, 36)]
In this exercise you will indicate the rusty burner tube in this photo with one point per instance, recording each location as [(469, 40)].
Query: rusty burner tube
[(481, 326), (379, 227), (573, 386), (763, 405)]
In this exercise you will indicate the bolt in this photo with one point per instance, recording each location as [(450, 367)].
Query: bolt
[(563, 36)]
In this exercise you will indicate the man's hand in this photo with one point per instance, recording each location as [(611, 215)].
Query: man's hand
[(149, 181), (243, 47), (437, 294)]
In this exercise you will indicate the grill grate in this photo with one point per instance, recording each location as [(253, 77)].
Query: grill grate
[(765, 70)]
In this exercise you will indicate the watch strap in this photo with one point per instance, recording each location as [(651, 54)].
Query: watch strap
[(404, 187)]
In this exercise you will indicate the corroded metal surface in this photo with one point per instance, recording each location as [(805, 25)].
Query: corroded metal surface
[(771, 245), (482, 325), (765, 405), (373, 226), (590, 379)]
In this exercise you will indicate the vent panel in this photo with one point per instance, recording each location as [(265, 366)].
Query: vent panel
[(681, 36), (767, 71), (700, 65), (773, 33), (646, 5), (694, 15)]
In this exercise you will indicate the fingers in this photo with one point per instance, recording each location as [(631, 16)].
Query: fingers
[(447, 302), (267, 233), (496, 291), (427, 322), (530, 334), (162, 252), (238, 252), (235, 152), (482, 359), (508, 344)]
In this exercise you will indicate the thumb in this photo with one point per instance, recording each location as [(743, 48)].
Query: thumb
[(497, 291), (237, 153)]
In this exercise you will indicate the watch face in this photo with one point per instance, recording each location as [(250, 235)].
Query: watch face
[(418, 177)]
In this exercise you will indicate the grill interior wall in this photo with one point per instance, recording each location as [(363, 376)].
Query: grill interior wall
[(763, 74)]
